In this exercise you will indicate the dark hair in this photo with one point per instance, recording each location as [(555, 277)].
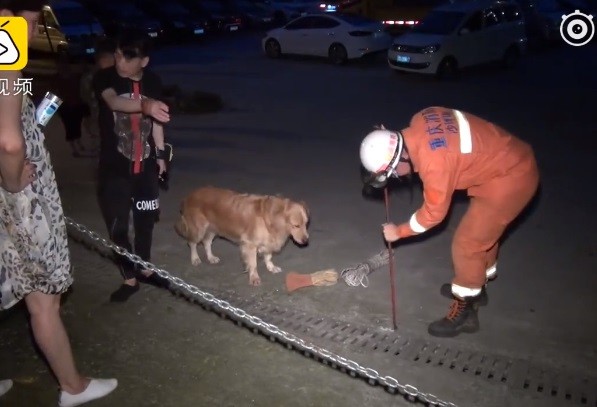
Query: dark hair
[(134, 45), (104, 46), (17, 6)]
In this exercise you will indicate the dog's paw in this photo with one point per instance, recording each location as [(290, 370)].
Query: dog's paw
[(213, 259), (195, 261), (254, 280), (273, 268)]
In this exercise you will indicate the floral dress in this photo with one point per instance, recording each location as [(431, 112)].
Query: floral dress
[(34, 254)]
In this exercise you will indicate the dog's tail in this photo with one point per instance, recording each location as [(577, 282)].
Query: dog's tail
[(181, 227)]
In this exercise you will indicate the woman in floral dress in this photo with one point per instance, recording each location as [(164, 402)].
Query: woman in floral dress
[(34, 255)]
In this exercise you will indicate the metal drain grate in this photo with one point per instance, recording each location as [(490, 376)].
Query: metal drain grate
[(517, 374), (514, 373)]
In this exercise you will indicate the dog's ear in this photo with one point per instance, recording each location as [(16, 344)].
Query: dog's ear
[(272, 208), (306, 207)]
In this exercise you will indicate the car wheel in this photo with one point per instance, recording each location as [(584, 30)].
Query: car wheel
[(448, 69), (337, 54), (511, 57), (273, 49)]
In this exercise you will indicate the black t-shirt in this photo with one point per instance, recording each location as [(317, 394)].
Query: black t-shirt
[(115, 127)]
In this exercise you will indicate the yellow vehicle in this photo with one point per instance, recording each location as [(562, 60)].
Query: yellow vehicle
[(397, 15)]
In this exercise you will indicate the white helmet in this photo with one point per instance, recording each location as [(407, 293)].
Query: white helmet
[(380, 153)]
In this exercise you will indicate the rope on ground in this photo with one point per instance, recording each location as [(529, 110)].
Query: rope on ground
[(359, 274)]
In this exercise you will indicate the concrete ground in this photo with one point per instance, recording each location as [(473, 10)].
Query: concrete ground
[(293, 127)]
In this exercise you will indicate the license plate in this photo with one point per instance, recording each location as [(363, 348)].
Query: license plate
[(234, 28), (403, 58), (153, 35), (90, 50), (199, 31)]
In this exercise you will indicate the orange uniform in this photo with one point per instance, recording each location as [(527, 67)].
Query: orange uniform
[(453, 150)]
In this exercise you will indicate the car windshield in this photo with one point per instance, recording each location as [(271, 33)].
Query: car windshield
[(126, 10), (248, 6), (73, 15), (213, 6), (439, 22), (173, 8), (354, 19)]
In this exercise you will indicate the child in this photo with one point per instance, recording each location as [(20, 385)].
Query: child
[(103, 58), (132, 154)]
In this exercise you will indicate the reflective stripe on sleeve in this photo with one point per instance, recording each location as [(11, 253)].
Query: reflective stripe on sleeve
[(415, 225), (466, 139)]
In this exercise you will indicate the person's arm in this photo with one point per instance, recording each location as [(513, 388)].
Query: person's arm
[(103, 87), (150, 107), (85, 89), (439, 182), (157, 133), (12, 142), (158, 128)]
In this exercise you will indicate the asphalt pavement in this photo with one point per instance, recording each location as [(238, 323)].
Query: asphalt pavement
[(293, 127)]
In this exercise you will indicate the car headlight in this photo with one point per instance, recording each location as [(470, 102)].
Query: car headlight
[(430, 49)]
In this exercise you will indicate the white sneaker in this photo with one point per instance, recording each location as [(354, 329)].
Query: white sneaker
[(96, 389), (5, 386)]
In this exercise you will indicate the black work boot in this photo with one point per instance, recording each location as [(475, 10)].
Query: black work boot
[(482, 299), (462, 317)]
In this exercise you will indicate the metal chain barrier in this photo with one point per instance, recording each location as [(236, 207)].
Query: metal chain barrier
[(411, 392)]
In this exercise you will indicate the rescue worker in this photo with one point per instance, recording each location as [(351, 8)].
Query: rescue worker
[(454, 150)]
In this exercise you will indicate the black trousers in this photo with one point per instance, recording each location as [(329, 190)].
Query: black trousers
[(117, 197), (72, 118)]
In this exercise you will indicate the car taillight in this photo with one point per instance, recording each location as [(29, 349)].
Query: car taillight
[(400, 22), (360, 33)]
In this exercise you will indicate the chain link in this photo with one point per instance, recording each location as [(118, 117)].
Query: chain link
[(289, 339)]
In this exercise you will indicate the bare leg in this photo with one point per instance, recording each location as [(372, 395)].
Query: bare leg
[(52, 339), (249, 254), (207, 241), (267, 259)]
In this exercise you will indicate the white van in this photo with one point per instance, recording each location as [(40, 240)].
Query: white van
[(461, 34), (67, 27), (49, 40)]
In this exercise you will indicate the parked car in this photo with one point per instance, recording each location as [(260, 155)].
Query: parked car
[(338, 37), (220, 17), (459, 35), (49, 41), (79, 27), (252, 14), (176, 20), (119, 16), (551, 11), (286, 10)]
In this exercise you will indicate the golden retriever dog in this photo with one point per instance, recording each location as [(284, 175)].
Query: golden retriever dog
[(259, 224)]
